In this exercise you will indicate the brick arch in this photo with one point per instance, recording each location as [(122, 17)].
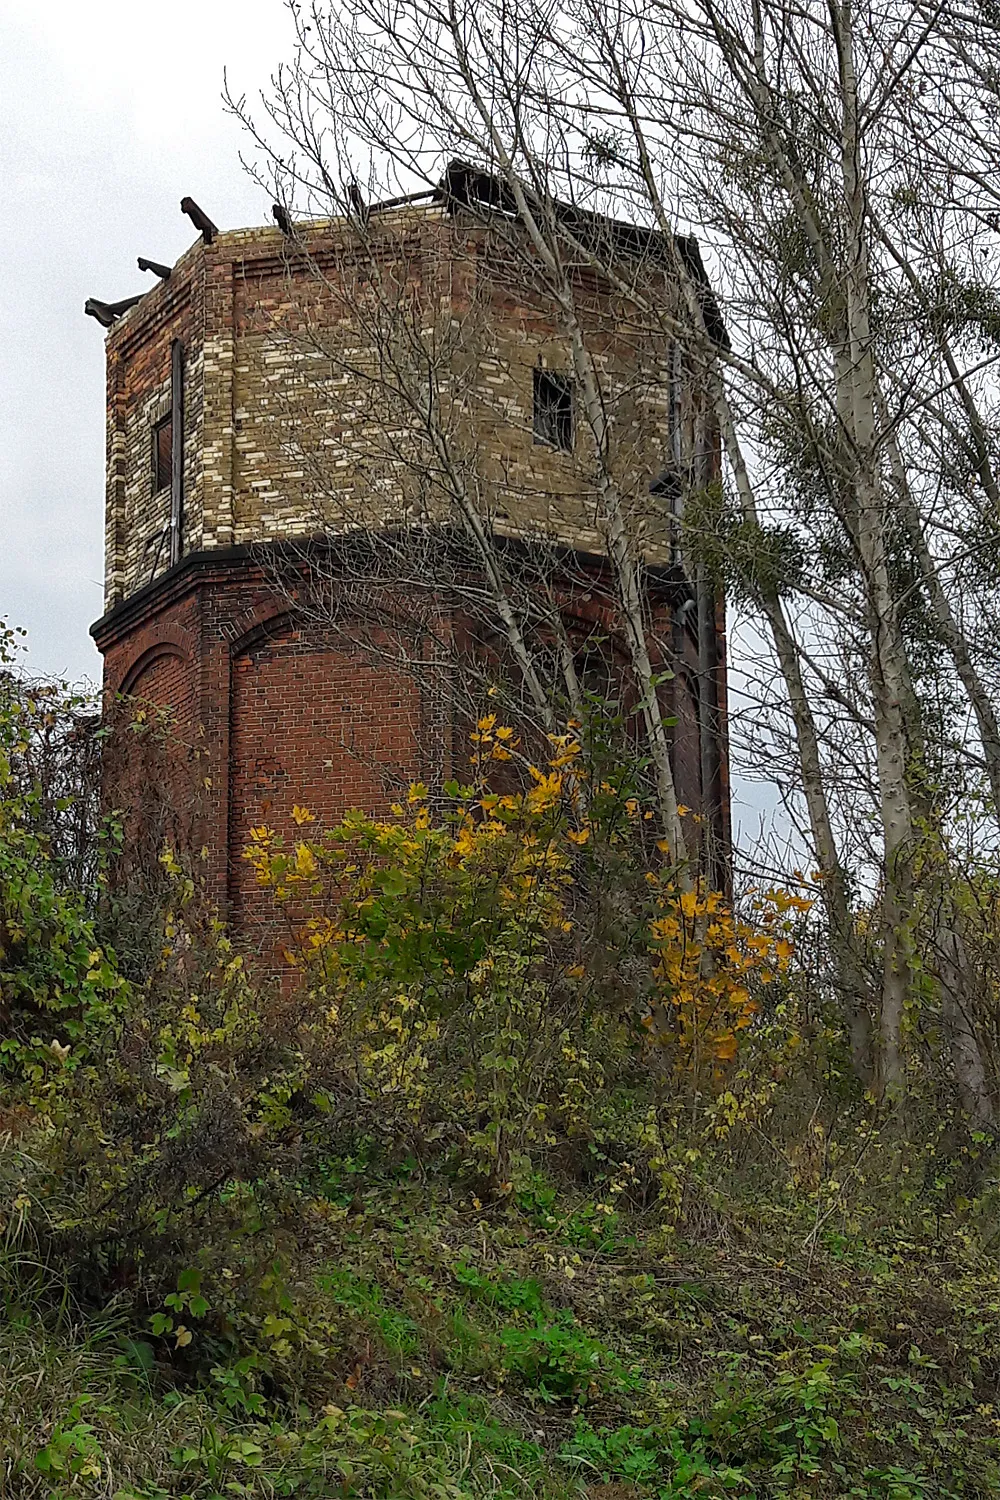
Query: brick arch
[(257, 623), (164, 677), (169, 645), (314, 722), (153, 774)]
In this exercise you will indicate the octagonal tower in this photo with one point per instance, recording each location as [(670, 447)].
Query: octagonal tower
[(274, 539)]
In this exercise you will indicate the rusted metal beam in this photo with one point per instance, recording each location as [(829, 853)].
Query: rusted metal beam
[(199, 218)]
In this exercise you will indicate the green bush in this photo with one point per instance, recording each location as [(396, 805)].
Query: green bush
[(60, 986)]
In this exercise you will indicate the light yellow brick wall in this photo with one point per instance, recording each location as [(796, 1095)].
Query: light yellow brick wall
[(294, 423)]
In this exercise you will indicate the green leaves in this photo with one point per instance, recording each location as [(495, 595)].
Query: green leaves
[(188, 1296), (73, 1452), (553, 1356), (755, 561), (62, 987)]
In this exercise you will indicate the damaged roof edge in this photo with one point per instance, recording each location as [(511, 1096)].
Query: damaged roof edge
[(475, 188)]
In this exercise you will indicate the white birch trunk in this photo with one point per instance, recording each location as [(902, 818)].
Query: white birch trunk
[(857, 397)]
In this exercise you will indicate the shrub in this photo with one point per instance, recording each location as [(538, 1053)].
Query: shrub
[(501, 971), (60, 987)]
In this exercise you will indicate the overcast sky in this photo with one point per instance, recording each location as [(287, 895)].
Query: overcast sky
[(111, 112)]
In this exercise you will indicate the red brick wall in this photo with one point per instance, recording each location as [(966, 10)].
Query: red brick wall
[(265, 716), (151, 757), (262, 718), (314, 726)]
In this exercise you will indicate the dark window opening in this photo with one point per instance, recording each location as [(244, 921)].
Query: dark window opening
[(163, 444), (553, 410)]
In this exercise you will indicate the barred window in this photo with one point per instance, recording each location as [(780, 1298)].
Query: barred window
[(553, 410)]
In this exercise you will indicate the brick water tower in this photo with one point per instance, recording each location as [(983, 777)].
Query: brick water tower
[(287, 585)]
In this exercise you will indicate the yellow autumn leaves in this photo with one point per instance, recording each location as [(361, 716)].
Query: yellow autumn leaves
[(710, 965), (484, 864)]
